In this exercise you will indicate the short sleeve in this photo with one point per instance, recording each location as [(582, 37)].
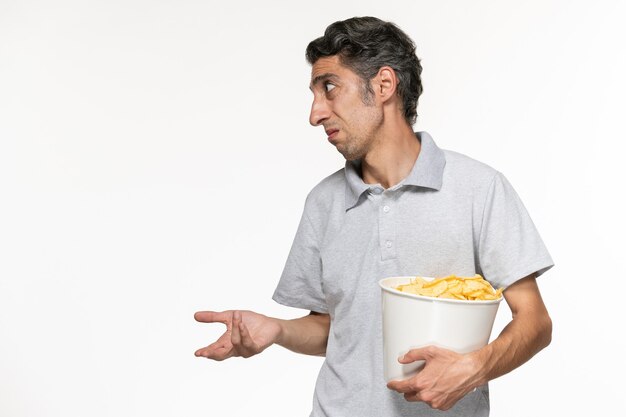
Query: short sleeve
[(300, 284), (510, 247)]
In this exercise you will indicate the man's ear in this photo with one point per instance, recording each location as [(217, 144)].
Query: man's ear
[(387, 83)]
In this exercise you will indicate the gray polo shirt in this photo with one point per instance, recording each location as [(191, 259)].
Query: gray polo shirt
[(450, 215)]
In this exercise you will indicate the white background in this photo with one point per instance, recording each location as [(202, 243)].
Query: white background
[(155, 157)]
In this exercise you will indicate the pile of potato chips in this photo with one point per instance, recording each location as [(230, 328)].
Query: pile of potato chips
[(453, 287)]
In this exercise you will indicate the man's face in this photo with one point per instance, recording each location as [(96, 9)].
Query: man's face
[(341, 104)]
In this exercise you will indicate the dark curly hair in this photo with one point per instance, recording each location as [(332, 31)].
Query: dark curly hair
[(365, 44)]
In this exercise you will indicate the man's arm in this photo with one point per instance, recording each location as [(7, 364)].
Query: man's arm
[(308, 335), (249, 333), (529, 331), (447, 376)]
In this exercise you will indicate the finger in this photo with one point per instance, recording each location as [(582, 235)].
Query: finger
[(216, 351), (416, 355), (235, 335), (212, 316), (412, 396), (401, 386), (246, 339), (221, 344)]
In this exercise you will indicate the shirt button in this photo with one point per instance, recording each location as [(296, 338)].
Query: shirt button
[(377, 190), (386, 209), (388, 244)]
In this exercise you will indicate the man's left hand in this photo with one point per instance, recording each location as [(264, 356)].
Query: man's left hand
[(445, 378)]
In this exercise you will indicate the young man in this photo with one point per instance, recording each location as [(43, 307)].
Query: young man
[(401, 206)]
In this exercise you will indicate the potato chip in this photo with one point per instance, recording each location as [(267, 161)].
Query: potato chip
[(456, 287), (414, 287), (453, 287)]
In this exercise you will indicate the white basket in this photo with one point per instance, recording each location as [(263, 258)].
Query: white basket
[(411, 321)]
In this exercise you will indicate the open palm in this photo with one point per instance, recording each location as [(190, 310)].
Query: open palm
[(247, 333)]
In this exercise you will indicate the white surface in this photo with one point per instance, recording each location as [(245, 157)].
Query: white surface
[(150, 151), (413, 321)]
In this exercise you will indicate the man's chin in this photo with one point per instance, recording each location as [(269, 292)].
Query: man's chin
[(351, 156), (347, 154)]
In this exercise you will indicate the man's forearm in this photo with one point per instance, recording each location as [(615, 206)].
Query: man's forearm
[(511, 349), (529, 332), (307, 335)]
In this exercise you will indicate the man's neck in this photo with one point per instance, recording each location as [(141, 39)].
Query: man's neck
[(392, 158)]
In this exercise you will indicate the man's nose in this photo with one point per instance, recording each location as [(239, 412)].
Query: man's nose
[(319, 112)]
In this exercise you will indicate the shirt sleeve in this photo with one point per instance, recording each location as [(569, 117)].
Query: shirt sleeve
[(300, 284), (510, 247)]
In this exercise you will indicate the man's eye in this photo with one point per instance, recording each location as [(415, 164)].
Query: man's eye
[(329, 87)]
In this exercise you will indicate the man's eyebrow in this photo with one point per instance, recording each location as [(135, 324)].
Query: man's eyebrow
[(322, 77)]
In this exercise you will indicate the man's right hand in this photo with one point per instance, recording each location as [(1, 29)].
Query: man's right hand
[(247, 333)]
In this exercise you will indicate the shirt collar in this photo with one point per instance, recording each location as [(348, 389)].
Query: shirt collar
[(427, 172)]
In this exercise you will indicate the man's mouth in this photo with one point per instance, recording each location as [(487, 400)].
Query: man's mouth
[(332, 133)]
